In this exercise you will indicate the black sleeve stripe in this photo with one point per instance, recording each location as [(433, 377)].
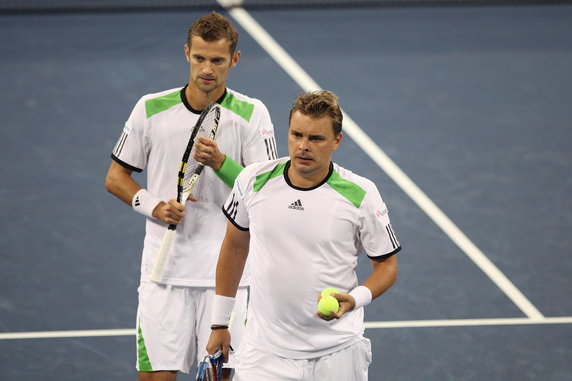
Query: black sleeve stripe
[(231, 209), (124, 164), (270, 144), (274, 149), (392, 236), (268, 149), (233, 221), (120, 143)]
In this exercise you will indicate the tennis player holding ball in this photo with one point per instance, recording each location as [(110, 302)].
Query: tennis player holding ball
[(302, 221), (173, 316)]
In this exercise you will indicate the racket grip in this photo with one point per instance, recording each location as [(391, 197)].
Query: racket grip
[(157, 272)]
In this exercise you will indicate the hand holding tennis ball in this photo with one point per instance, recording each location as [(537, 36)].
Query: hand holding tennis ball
[(327, 302), (328, 291)]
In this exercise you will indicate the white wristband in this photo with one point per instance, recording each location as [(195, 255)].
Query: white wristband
[(222, 309), (144, 202), (362, 296)]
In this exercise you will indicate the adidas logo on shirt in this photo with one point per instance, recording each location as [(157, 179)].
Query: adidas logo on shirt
[(137, 202), (296, 205)]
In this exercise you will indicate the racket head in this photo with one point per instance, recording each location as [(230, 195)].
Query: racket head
[(190, 170), (210, 369)]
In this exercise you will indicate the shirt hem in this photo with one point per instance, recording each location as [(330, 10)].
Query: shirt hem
[(189, 283), (303, 355)]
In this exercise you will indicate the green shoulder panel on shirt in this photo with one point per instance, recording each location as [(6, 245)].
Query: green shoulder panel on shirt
[(241, 108), (351, 191), (263, 178), (156, 105)]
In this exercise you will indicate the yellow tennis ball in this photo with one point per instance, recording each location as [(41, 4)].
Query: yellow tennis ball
[(328, 303), (329, 290)]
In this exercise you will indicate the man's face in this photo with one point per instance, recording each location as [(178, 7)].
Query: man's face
[(311, 142), (210, 63)]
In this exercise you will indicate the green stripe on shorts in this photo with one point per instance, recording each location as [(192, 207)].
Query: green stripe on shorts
[(144, 365)]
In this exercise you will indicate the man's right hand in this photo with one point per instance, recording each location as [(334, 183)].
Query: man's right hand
[(219, 339), (171, 212)]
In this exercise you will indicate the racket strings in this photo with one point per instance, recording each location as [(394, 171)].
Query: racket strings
[(208, 124)]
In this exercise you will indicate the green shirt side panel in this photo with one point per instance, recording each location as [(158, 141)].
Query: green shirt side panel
[(241, 108), (263, 178), (156, 105), (351, 191)]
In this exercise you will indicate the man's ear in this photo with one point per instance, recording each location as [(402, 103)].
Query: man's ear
[(235, 58), (187, 53), (337, 141)]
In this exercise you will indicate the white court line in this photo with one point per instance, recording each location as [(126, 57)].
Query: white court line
[(66, 334), (468, 322), (368, 325), (291, 67)]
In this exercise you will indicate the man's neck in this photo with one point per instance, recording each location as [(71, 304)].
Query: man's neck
[(307, 180), (198, 99)]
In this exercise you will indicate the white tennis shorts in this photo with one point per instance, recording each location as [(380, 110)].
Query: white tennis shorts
[(173, 325), (348, 364)]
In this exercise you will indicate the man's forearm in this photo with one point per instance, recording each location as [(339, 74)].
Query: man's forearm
[(382, 277), (119, 182), (230, 266)]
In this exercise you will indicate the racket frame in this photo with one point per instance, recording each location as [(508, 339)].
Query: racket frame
[(182, 191)]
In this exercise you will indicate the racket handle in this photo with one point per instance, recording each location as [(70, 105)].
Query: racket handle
[(157, 272)]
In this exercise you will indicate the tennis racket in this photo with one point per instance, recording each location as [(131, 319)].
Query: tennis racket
[(189, 172), (210, 369)]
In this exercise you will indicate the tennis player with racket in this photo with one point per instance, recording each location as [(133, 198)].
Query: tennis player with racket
[(183, 238)]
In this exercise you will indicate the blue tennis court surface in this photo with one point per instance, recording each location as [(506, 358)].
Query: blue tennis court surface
[(471, 103)]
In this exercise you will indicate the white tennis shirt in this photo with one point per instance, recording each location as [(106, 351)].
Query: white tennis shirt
[(154, 138), (302, 241)]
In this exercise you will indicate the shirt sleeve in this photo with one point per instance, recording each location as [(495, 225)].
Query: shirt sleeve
[(377, 236), (260, 144), (131, 149), (235, 206)]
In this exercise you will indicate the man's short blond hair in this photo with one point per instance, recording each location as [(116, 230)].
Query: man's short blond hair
[(317, 104), (214, 27)]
